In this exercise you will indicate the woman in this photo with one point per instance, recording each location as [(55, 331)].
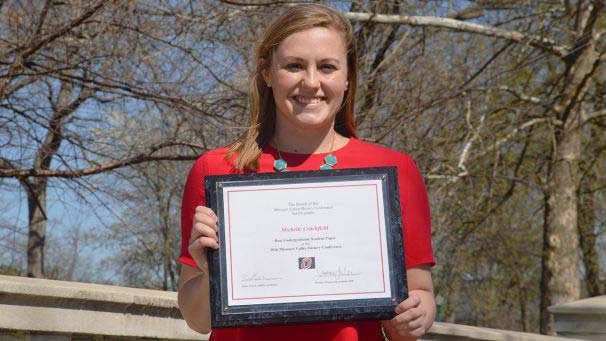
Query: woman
[(301, 106)]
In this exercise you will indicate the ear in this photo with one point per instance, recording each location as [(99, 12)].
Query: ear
[(266, 77)]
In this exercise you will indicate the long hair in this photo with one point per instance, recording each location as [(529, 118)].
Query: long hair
[(261, 105)]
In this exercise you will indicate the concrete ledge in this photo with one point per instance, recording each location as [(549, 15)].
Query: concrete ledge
[(38, 305), (46, 309), (589, 306), (13, 285), (451, 332), (584, 319)]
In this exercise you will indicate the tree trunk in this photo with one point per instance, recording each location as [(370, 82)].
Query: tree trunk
[(169, 275), (560, 282), (450, 308), (588, 241), (164, 196), (524, 318), (36, 202), (75, 256), (166, 251), (561, 277), (36, 189)]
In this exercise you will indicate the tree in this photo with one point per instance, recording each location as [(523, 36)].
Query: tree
[(563, 110), (69, 72)]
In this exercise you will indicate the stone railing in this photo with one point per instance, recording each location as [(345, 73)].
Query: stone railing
[(37, 309), (41, 307), (585, 319)]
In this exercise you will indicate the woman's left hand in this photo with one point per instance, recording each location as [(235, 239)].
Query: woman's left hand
[(414, 315), (411, 318)]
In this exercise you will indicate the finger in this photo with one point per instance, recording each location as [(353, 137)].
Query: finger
[(202, 243), (417, 332), (203, 230), (412, 325), (404, 319), (206, 210), (411, 302), (210, 220)]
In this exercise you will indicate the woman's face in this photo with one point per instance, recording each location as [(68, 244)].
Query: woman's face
[(308, 77)]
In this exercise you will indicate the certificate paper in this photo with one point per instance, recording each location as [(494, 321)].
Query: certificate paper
[(305, 242), (310, 246)]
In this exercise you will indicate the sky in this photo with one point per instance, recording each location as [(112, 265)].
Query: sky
[(66, 212)]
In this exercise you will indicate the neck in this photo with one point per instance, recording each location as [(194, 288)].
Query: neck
[(311, 141)]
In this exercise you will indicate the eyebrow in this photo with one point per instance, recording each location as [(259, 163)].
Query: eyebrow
[(333, 60)]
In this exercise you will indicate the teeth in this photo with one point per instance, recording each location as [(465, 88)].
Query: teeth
[(308, 100)]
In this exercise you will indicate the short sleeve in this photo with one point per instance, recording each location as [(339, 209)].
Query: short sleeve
[(193, 195), (415, 215)]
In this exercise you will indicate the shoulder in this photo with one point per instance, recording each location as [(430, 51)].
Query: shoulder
[(375, 151), (213, 162), (215, 155)]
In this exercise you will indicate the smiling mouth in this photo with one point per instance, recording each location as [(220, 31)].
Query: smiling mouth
[(309, 99)]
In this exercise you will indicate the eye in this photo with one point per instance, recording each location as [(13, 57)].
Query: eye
[(327, 68), (294, 67)]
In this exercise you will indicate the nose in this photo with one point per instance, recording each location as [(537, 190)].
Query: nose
[(311, 78)]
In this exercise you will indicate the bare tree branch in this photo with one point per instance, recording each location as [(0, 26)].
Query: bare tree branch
[(115, 87), (490, 148), (37, 44), (475, 134), (544, 44), (25, 51), (140, 158), (264, 3), (594, 115)]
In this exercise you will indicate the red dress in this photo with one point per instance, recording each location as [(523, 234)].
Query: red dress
[(356, 154)]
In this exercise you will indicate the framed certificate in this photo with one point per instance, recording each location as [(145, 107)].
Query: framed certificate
[(300, 247)]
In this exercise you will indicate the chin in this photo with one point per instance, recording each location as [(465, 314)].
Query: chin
[(311, 117), (313, 124)]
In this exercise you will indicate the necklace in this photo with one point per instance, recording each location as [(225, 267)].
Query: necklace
[(329, 161)]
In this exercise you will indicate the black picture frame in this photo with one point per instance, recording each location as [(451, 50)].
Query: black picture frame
[(223, 315)]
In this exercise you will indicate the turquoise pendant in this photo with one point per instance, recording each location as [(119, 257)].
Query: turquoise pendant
[(280, 165), (325, 167), (330, 160)]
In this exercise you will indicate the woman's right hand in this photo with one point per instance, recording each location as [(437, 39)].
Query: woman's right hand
[(203, 235)]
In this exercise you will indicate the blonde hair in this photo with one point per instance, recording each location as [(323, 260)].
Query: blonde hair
[(262, 110)]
